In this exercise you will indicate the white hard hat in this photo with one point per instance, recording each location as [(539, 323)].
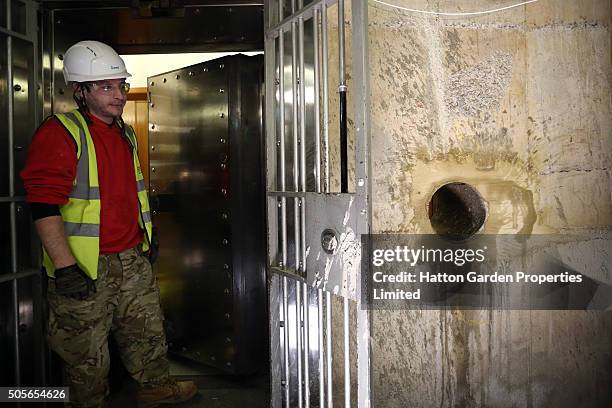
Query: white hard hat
[(92, 61)]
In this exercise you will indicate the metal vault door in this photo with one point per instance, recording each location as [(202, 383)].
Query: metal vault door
[(319, 334), (207, 197)]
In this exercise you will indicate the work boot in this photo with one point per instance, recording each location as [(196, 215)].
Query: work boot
[(168, 392)]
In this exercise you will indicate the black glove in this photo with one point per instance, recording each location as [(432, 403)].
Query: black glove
[(73, 282), (153, 251)]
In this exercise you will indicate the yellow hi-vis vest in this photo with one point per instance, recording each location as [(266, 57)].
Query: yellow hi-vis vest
[(81, 214)]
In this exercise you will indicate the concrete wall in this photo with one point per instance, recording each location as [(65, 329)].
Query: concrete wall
[(517, 104)]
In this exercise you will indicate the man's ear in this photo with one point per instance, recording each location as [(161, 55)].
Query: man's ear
[(75, 85)]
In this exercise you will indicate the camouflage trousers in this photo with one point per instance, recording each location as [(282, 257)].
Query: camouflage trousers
[(126, 304)]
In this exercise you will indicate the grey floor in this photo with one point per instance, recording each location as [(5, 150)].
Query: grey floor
[(216, 389)]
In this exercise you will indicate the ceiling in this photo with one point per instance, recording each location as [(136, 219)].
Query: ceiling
[(144, 4)]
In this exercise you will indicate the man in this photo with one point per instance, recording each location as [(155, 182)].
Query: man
[(91, 211)]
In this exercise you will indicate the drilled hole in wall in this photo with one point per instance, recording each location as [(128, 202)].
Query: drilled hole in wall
[(457, 211)]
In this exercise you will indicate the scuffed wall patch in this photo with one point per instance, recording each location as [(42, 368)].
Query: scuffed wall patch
[(350, 257), (478, 90)]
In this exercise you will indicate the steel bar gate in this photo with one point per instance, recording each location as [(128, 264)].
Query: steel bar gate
[(320, 335), (21, 337)]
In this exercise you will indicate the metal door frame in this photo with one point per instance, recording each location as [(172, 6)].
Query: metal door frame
[(280, 275)]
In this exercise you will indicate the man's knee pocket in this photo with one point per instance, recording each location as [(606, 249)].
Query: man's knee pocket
[(72, 330)]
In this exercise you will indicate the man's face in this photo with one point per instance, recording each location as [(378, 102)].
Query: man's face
[(106, 98)]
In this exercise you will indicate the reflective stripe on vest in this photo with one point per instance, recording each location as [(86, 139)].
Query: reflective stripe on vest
[(82, 229), (144, 221), (81, 214)]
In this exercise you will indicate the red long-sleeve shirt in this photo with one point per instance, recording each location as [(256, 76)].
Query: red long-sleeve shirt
[(50, 171)]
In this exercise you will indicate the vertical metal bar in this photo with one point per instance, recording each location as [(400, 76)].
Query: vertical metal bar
[(273, 70), (36, 109), (9, 19), (341, 35), (281, 79), (298, 320), (283, 186), (31, 19), (302, 90), (321, 349), (294, 89), (276, 324), (302, 138), (306, 342), (45, 54), (328, 349), (302, 262), (342, 98), (325, 98), (286, 342), (296, 143), (315, 21), (306, 347), (10, 121), (51, 60), (343, 142), (11, 164), (284, 231), (363, 189), (347, 356), (272, 105)]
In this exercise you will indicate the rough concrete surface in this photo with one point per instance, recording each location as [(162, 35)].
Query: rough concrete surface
[(517, 104)]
